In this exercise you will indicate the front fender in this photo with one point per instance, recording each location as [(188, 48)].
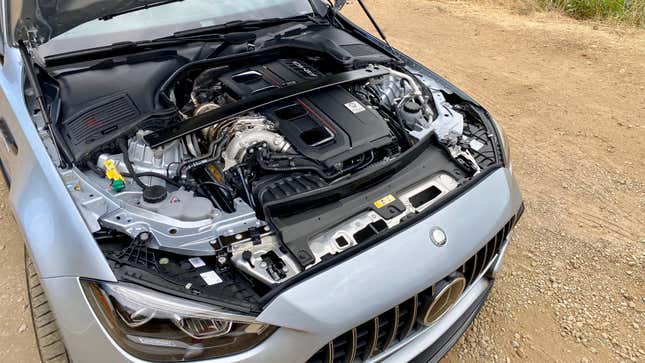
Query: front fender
[(55, 233)]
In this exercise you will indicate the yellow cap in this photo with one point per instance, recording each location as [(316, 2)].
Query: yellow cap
[(118, 182)]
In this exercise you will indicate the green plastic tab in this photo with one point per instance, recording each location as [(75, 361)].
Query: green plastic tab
[(118, 185)]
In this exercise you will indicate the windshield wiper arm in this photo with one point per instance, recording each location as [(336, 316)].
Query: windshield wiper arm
[(126, 47), (237, 25), (137, 8)]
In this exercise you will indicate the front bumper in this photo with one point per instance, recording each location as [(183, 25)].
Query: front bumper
[(325, 306)]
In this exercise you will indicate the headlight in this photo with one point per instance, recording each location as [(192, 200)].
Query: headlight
[(154, 326)]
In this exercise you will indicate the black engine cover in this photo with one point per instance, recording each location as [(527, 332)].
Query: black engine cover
[(330, 126)]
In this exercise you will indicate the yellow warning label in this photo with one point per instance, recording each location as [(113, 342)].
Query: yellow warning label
[(384, 201)]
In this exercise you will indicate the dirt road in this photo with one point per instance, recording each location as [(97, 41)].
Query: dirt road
[(571, 98)]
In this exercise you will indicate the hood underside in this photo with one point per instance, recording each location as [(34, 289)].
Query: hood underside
[(37, 21)]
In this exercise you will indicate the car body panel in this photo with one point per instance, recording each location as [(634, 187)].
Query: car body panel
[(399, 267), (57, 237), (309, 313), (362, 287), (87, 341)]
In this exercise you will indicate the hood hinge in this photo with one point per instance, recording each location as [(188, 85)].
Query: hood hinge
[(32, 39)]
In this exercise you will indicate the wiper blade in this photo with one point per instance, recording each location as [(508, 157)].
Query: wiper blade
[(137, 8), (129, 46), (237, 25), (231, 32)]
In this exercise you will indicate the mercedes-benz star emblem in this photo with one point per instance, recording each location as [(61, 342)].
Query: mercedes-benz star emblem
[(438, 236)]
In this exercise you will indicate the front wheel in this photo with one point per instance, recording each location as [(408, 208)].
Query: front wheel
[(48, 339)]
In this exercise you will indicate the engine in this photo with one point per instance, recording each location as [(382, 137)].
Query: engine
[(205, 192)]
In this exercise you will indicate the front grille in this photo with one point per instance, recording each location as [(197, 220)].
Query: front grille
[(383, 331)]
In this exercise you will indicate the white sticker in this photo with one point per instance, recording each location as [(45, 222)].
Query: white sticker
[(355, 107), (211, 278), (196, 262), (476, 144)]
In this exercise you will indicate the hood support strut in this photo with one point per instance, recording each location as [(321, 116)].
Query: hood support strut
[(373, 21), (40, 98), (337, 5)]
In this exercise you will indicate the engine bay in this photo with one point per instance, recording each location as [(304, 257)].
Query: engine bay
[(222, 176)]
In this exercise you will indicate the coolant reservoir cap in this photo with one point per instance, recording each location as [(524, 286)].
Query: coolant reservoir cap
[(412, 107), (154, 194)]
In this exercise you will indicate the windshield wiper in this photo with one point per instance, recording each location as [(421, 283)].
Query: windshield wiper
[(127, 47), (137, 8), (234, 32), (238, 25)]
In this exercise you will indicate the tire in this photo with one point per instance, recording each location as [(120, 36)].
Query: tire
[(48, 339)]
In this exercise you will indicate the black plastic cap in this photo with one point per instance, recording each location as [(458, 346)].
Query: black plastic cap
[(154, 194), (412, 107)]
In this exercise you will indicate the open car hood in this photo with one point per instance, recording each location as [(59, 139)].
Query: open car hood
[(37, 21)]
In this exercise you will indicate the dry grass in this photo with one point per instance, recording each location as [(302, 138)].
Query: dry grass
[(630, 12)]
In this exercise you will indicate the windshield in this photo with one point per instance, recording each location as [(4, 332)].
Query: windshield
[(169, 18)]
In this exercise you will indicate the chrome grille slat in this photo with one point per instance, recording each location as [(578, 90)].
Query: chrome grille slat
[(385, 331), (473, 269), (394, 327), (352, 355), (345, 347), (496, 242), (406, 328), (372, 347), (481, 261), (377, 335)]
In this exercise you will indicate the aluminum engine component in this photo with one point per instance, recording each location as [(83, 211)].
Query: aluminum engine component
[(145, 159), (265, 260), (394, 88), (208, 133), (398, 88), (102, 208), (205, 107), (182, 205), (248, 131), (399, 92)]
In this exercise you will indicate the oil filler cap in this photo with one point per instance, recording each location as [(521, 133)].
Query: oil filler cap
[(154, 194)]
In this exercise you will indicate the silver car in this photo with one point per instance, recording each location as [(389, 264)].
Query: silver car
[(243, 181)]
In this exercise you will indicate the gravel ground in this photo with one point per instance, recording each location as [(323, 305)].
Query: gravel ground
[(571, 98)]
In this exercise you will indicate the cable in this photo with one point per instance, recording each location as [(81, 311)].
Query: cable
[(154, 175), (168, 167), (245, 186), (228, 191), (123, 145)]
